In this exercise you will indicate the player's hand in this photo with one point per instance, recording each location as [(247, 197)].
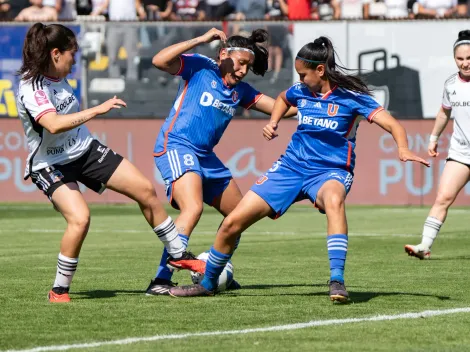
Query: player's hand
[(113, 103), (269, 131), (432, 149), (406, 155), (213, 34)]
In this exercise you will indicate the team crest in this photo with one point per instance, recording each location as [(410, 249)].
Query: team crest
[(41, 97), (332, 109), (56, 176), (302, 103), (234, 96), (214, 84)]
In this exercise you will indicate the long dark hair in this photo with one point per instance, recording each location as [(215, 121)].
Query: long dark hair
[(39, 42), (321, 51), (463, 35), (260, 65)]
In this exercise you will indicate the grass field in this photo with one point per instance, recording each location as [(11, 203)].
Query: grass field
[(282, 266)]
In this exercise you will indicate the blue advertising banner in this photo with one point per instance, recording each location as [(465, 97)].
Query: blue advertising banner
[(11, 48)]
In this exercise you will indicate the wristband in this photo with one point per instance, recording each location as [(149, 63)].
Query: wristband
[(433, 138)]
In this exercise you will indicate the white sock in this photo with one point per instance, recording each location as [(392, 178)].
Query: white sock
[(66, 268), (167, 233), (430, 231)]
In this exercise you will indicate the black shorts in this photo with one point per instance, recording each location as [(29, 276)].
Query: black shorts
[(94, 169)]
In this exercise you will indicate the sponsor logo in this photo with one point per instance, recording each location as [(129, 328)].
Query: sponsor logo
[(460, 103), (55, 150), (56, 176), (207, 99), (67, 101), (313, 121), (41, 97), (317, 105), (262, 180)]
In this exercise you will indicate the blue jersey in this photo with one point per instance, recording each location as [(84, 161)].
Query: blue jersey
[(326, 134), (204, 106)]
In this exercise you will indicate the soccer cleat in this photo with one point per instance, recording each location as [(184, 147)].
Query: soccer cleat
[(190, 291), (187, 261), (338, 292), (159, 287), (418, 251), (59, 295)]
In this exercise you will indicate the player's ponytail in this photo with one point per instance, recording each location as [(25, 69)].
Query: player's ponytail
[(40, 41), (321, 51), (463, 38), (258, 36)]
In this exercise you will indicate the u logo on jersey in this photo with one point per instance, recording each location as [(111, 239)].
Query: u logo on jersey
[(234, 96), (332, 109)]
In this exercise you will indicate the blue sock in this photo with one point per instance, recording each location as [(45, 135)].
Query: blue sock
[(237, 243), (337, 250), (163, 272), (214, 266)]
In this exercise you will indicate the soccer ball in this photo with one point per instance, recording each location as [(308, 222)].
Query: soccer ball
[(225, 278)]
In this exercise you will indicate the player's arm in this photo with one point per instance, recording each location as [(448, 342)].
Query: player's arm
[(55, 123), (392, 126), (266, 105), (168, 59), (281, 106), (442, 118)]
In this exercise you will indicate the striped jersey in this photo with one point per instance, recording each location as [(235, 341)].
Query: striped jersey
[(204, 106), (35, 99), (326, 134)]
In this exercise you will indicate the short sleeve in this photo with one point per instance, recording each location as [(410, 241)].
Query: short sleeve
[(250, 96), (365, 105), (192, 63), (446, 104), (293, 94), (36, 99)]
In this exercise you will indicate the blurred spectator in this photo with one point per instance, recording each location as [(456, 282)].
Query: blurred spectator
[(158, 9), (4, 10), (351, 9), (296, 9), (67, 9), (393, 9), (325, 10), (277, 38), (217, 10), (250, 10), (84, 7), (122, 35), (435, 8), (188, 10), (462, 8), (41, 10)]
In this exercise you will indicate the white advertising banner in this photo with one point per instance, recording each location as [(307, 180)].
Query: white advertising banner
[(408, 61)]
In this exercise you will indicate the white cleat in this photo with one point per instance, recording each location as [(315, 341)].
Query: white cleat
[(418, 251)]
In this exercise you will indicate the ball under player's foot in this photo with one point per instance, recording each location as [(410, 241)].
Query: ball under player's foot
[(188, 261), (338, 292), (418, 251), (59, 295), (190, 291), (159, 287)]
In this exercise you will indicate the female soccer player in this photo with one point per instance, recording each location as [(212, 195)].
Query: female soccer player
[(62, 152), (318, 164), (211, 92), (457, 168)]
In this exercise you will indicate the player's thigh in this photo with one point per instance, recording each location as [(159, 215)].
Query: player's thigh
[(279, 187), (186, 192), (329, 188), (226, 202), (454, 177), (330, 195), (69, 201)]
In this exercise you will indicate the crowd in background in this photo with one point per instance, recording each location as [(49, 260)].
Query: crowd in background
[(200, 10)]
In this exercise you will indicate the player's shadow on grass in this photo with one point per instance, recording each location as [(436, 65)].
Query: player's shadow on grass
[(105, 293), (270, 286), (458, 257), (363, 297)]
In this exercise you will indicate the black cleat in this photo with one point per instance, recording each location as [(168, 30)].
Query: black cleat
[(338, 292), (190, 291), (234, 285), (159, 287)]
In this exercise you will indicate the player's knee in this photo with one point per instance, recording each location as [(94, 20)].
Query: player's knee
[(80, 221), (335, 202), (230, 227), (192, 209), (444, 199), (147, 194)]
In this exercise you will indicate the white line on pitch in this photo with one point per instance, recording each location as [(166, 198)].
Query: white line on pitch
[(313, 323)]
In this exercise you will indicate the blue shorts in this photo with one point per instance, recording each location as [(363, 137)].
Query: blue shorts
[(283, 185), (180, 159)]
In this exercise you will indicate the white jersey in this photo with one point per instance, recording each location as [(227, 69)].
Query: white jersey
[(35, 99), (456, 97)]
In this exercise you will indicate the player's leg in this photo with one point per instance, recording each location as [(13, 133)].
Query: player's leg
[(331, 196), (453, 179)]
